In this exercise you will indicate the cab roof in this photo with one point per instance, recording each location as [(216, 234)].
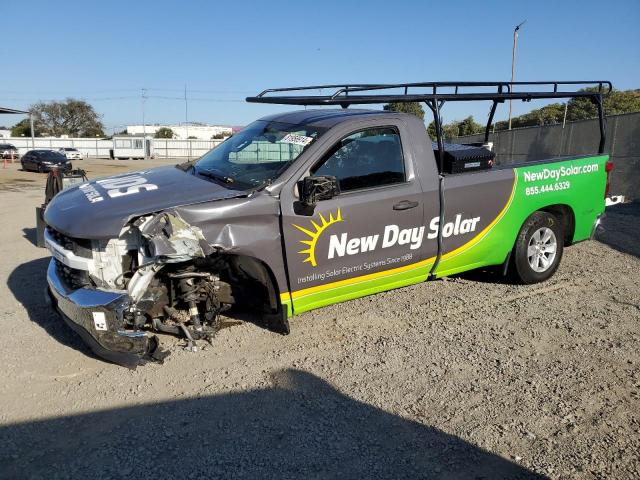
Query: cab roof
[(326, 118)]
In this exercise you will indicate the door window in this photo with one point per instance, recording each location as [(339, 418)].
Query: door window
[(365, 159)]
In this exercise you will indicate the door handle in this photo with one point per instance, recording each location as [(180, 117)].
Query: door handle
[(405, 205)]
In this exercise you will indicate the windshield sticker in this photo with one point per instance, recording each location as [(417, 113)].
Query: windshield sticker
[(297, 139)]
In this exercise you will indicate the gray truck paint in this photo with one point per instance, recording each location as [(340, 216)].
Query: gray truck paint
[(72, 214), (263, 225)]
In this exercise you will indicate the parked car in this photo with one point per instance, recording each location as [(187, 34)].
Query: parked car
[(44, 161), (8, 151), (71, 153), (309, 208)]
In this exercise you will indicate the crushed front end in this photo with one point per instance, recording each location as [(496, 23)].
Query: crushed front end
[(159, 274), (98, 316)]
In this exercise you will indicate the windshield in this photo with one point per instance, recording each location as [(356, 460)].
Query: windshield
[(53, 156), (257, 154)]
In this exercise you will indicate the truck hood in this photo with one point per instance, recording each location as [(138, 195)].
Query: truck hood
[(99, 209)]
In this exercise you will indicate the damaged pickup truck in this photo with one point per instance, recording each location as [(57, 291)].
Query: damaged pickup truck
[(309, 208)]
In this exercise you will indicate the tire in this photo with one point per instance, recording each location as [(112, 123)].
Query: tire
[(40, 169), (538, 249)]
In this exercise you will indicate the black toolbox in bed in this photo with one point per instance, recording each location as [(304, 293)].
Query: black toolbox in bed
[(460, 158)]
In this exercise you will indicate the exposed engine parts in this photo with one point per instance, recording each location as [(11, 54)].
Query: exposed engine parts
[(186, 299), (174, 282), (182, 299), (198, 292)]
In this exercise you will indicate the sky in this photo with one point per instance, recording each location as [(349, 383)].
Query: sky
[(107, 52)]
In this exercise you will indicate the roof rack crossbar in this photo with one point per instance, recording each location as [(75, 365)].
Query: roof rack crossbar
[(312, 87), (345, 95), (350, 94)]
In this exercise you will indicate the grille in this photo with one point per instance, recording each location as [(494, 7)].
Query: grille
[(80, 247), (73, 278)]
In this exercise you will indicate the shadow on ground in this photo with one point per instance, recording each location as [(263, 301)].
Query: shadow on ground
[(28, 283), (30, 234), (621, 228), (299, 427), (486, 275)]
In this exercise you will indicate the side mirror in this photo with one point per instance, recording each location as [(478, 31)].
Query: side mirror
[(314, 189)]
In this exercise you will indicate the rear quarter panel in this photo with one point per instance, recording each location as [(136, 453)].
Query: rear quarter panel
[(578, 183)]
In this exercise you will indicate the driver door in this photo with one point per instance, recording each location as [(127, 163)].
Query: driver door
[(366, 239)]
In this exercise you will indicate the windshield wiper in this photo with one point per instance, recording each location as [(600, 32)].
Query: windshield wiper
[(216, 175)]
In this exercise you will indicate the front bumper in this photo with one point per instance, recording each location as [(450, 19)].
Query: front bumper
[(97, 316)]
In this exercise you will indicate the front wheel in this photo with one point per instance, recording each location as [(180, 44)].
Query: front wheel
[(539, 248)]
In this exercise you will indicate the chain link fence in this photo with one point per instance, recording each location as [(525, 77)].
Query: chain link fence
[(575, 138)]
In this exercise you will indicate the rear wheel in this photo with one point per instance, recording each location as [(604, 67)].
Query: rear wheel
[(539, 248)]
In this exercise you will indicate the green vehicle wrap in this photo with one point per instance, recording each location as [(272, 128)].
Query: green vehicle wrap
[(576, 184)]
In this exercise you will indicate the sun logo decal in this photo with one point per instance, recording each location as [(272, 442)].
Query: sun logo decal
[(314, 235)]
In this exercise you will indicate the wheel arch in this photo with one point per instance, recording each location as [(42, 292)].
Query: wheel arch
[(565, 214), (259, 271), (562, 212)]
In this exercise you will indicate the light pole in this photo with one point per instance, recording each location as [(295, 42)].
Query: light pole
[(33, 142), (513, 63), (186, 120), (144, 126)]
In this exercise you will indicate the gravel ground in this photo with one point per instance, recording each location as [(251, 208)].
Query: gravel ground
[(468, 377)]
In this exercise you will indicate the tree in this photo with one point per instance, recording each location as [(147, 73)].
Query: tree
[(22, 128), (548, 115), (414, 108), (468, 126), (164, 132), (71, 117), (579, 108), (449, 130), (615, 103), (217, 136)]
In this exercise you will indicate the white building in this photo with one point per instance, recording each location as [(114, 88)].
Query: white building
[(200, 131), (5, 133)]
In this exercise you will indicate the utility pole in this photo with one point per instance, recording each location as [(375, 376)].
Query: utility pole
[(144, 126), (513, 63), (33, 142), (186, 119)]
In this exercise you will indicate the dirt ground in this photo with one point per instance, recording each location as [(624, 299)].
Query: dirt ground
[(468, 377)]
